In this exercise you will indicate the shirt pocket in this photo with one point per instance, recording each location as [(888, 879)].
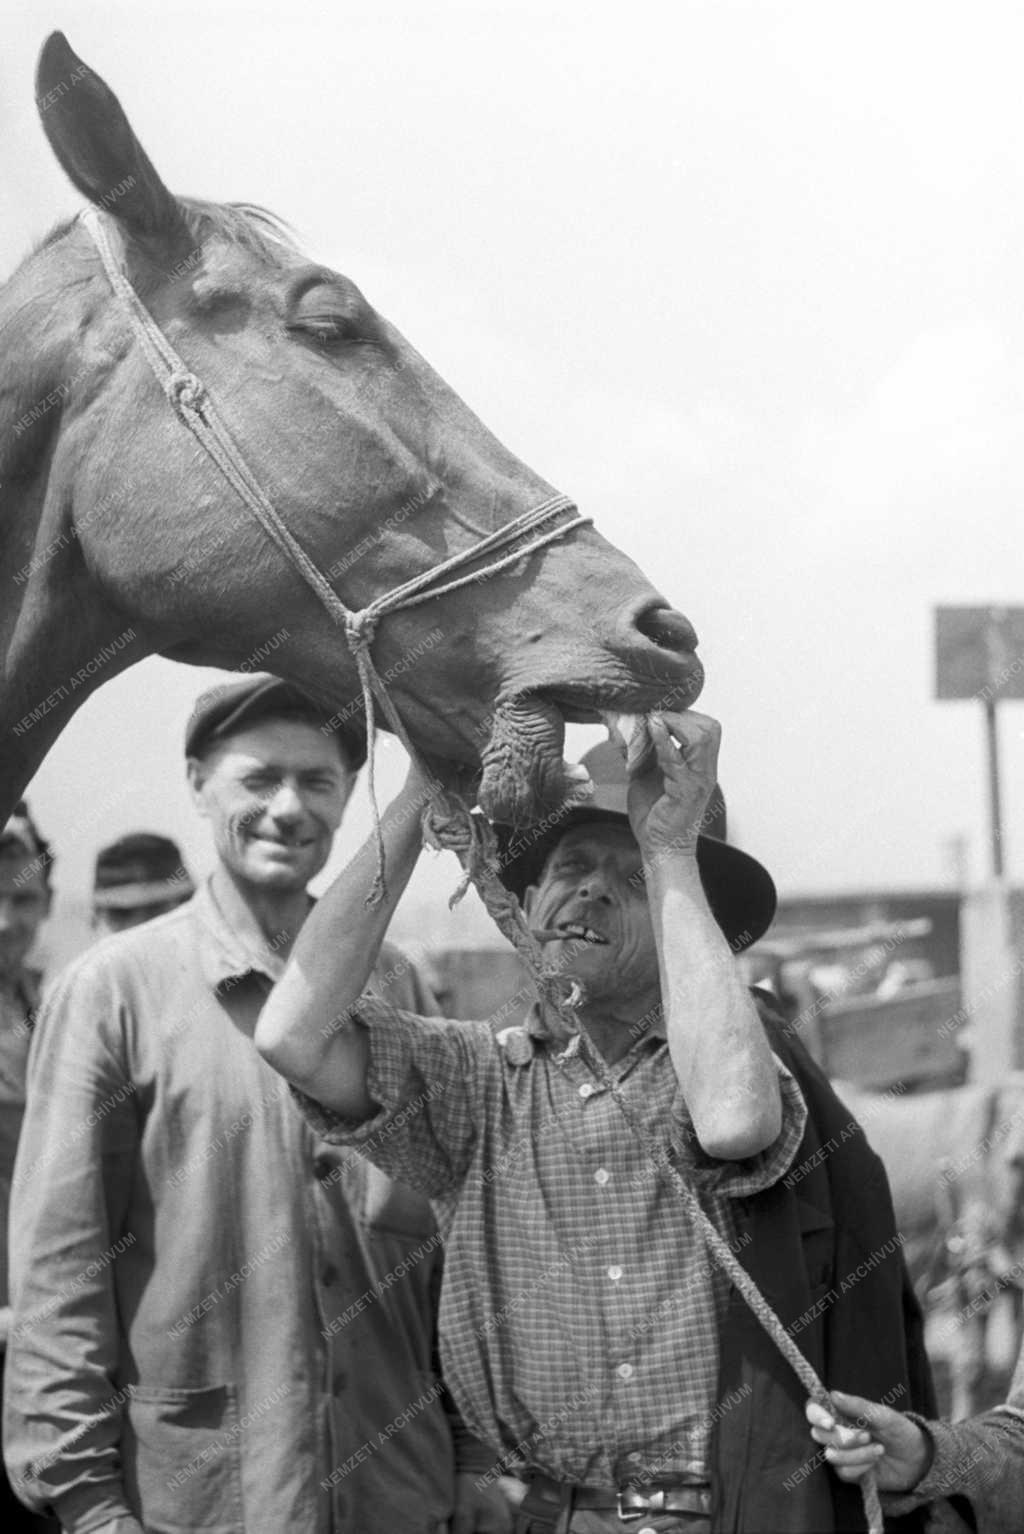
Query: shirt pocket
[(182, 1462)]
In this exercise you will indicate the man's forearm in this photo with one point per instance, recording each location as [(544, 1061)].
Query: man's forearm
[(981, 1459), (718, 1047), (337, 948)]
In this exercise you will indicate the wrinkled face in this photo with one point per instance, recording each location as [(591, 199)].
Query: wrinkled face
[(592, 888), (24, 902), (274, 795)]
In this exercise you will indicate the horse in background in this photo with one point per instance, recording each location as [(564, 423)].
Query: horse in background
[(955, 1160)]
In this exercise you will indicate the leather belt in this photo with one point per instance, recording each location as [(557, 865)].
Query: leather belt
[(630, 1501)]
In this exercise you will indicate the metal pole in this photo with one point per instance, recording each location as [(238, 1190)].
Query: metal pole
[(995, 806)]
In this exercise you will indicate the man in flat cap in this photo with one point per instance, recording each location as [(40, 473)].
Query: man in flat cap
[(586, 1335), (215, 1311), (137, 877)]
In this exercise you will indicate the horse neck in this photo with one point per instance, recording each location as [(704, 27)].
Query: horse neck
[(59, 640)]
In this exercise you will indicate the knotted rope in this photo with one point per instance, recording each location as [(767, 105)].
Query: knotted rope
[(445, 825)]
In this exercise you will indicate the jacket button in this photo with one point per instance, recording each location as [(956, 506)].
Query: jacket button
[(322, 1167)]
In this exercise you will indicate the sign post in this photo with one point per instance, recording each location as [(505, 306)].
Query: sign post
[(979, 653)]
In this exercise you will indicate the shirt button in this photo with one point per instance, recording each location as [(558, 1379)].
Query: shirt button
[(634, 1456), (648, 1528), (601, 1176), (625, 1371), (615, 1273), (586, 1089)]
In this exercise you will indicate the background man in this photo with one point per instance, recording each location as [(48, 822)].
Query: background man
[(203, 1333), (25, 896), (137, 877), (978, 1464), (584, 1332)]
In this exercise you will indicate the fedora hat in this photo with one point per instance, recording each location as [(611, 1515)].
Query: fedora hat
[(740, 892)]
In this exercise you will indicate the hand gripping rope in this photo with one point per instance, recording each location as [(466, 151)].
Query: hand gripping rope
[(447, 820)]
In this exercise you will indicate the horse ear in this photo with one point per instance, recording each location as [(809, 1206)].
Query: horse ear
[(96, 145)]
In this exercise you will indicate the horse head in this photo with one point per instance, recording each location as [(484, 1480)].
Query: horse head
[(375, 466)]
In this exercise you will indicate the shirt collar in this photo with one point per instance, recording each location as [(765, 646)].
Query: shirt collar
[(548, 1031), (224, 956)]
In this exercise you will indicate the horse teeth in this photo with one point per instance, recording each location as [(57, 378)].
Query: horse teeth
[(628, 732), (578, 781)]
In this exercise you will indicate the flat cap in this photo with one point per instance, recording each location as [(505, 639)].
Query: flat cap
[(222, 710), (141, 868)]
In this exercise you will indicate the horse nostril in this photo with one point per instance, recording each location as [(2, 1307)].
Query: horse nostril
[(667, 629)]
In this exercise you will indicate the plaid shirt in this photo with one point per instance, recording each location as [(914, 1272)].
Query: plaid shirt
[(580, 1311)]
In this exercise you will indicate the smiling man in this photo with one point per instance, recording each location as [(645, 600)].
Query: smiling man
[(586, 1335), (208, 1317)]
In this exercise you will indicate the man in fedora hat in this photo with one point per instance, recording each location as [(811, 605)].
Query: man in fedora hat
[(214, 1311), (586, 1334), (138, 877)]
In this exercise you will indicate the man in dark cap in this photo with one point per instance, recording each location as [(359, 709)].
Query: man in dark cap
[(220, 1322), (585, 1332), (138, 877)]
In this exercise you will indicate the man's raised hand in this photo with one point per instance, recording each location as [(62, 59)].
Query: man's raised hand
[(669, 791)]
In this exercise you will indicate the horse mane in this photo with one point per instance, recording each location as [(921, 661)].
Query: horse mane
[(247, 225), (244, 225)]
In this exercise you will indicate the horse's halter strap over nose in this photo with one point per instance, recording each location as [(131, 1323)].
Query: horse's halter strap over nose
[(194, 406), (473, 842)]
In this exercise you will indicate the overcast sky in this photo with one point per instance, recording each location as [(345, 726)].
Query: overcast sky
[(744, 279)]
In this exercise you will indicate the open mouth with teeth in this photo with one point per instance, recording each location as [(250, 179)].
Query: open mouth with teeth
[(577, 931)]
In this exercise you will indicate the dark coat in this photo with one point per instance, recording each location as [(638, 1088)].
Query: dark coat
[(824, 1251)]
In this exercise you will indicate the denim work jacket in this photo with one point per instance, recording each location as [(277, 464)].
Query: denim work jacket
[(221, 1323)]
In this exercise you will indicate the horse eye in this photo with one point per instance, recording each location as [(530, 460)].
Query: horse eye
[(328, 330)]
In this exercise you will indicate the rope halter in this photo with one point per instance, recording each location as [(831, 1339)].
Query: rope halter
[(194, 407)]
